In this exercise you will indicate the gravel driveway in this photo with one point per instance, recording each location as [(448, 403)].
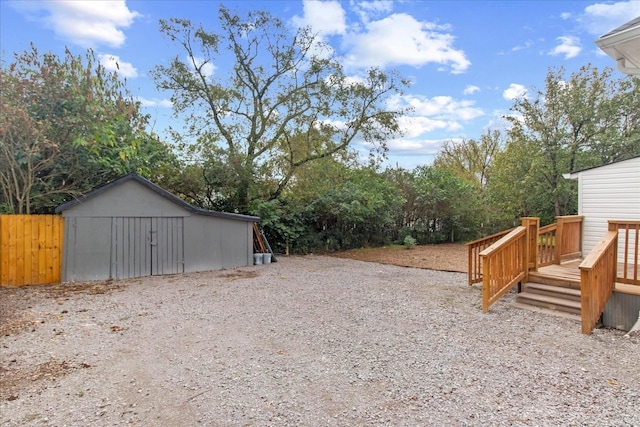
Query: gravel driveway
[(306, 341)]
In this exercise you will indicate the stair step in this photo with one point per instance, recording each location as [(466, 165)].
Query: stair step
[(549, 302), (563, 314), (553, 280), (553, 291)]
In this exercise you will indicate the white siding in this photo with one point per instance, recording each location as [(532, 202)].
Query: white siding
[(607, 193)]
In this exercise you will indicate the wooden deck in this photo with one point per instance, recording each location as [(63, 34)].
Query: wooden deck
[(570, 273), (567, 271)]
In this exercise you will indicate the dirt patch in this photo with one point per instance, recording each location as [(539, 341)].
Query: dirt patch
[(13, 381), (239, 274), (17, 316), (443, 257)]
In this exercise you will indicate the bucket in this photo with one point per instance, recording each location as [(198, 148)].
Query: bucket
[(266, 258), (257, 259)]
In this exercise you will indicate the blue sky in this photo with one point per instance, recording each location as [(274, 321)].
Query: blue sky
[(467, 59)]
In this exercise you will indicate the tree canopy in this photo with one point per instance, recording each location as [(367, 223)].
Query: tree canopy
[(66, 125), (285, 100), (273, 135)]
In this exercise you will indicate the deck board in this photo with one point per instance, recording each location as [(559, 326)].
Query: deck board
[(567, 271), (570, 271)]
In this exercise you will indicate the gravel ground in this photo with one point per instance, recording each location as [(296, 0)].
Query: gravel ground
[(306, 341)]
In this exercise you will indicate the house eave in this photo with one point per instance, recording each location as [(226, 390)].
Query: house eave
[(624, 47)]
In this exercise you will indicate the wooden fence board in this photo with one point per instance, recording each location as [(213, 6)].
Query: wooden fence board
[(30, 249)]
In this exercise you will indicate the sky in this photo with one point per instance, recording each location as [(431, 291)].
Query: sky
[(467, 60)]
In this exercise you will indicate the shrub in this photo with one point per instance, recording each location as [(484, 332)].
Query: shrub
[(409, 242)]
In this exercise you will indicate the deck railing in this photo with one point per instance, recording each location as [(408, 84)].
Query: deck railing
[(597, 280), (569, 238), (547, 244), (555, 243), (628, 240), (560, 241), (504, 264), (474, 248)]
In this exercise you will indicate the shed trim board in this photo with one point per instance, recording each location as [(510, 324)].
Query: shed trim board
[(133, 228), (608, 192)]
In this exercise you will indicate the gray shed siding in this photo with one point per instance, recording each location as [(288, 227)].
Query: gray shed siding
[(219, 244), (135, 229), (129, 199), (87, 249)]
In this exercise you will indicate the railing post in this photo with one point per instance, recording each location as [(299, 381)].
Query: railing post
[(486, 283), (532, 225), (559, 244)]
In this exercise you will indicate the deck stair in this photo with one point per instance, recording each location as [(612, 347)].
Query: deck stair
[(551, 292)]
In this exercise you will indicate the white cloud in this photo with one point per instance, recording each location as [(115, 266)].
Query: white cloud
[(600, 18), (86, 23), (414, 126), (401, 39), (441, 107), (565, 15), (569, 47), (367, 9), (415, 147), (515, 91), (114, 63), (155, 102), (376, 6), (471, 89), (324, 17), (207, 69), (524, 46)]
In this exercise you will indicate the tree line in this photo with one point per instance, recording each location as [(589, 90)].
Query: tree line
[(273, 136)]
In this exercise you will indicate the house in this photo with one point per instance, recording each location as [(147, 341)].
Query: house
[(608, 192), (606, 284), (623, 45), (603, 286), (605, 193), (130, 227)]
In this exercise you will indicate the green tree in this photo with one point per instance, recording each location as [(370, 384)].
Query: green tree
[(515, 189), (359, 211), (446, 206), (574, 124), (66, 125), (286, 100), (471, 159)]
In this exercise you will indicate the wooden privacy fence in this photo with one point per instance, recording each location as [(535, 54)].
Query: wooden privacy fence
[(30, 249)]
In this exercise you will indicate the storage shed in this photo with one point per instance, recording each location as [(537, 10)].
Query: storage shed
[(131, 228)]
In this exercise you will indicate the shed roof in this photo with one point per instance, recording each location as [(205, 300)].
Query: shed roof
[(161, 192)]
